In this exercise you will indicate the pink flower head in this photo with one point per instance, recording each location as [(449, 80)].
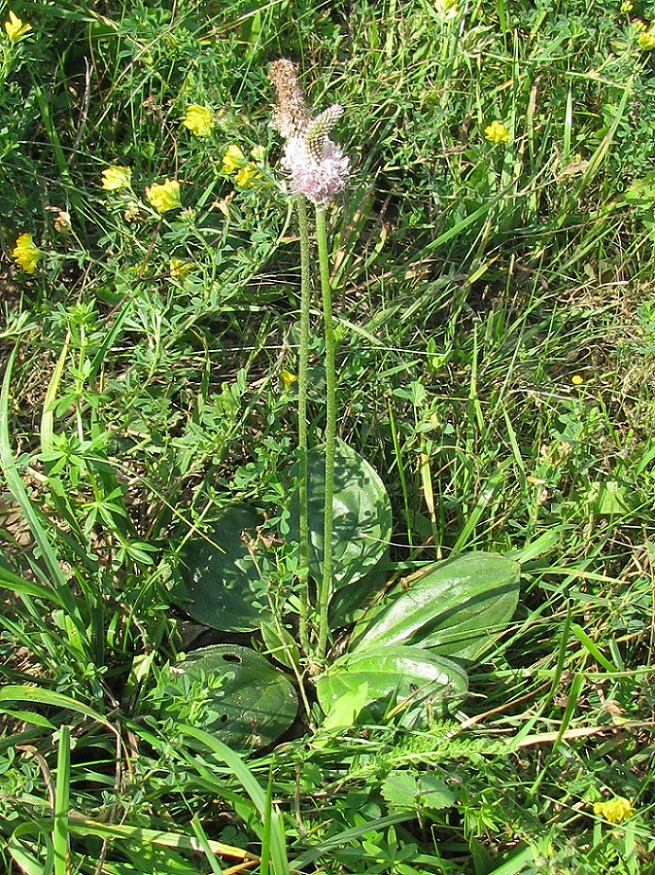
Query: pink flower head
[(317, 166)]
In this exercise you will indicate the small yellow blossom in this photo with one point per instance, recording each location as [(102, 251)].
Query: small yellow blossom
[(199, 120), (164, 196), (234, 159), (646, 40), (447, 9), (15, 28), (25, 253), (496, 132), (179, 268), (245, 176), (615, 810), (638, 26), (116, 177), (577, 379), (288, 378), (627, 6)]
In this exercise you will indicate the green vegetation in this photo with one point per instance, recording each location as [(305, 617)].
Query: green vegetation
[(486, 703)]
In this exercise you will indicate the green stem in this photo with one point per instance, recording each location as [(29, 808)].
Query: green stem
[(305, 292), (325, 587)]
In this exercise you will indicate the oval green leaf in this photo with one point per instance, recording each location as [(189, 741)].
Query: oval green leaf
[(400, 682), (362, 515), (455, 608), (233, 693), (224, 574)]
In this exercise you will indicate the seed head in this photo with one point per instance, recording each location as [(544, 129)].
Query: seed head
[(291, 115)]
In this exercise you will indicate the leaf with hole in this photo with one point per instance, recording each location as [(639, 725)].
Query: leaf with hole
[(406, 682), (225, 574), (362, 515), (455, 608), (231, 692)]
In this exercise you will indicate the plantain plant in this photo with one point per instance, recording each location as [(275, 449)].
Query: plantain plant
[(405, 652)]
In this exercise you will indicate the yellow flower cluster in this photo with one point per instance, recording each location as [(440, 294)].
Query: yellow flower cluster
[(615, 810), (25, 253), (179, 268), (15, 28), (234, 161), (199, 120), (646, 40), (496, 132), (164, 196), (117, 177)]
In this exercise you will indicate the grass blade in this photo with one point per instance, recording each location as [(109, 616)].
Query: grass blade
[(16, 487), (252, 787), (60, 840)]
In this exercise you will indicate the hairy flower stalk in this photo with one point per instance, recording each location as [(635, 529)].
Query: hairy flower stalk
[(305, 300), (317, 169)]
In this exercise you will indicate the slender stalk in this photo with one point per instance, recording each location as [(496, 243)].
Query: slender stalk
[(305, 292), (325, 587)]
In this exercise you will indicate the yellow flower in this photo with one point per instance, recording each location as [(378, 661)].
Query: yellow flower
[(246, 174), (577, 379), (615, 810), (638, 26), (288, 378), (234, 159), (199, 120), (116, 177), (26, 253), (627, 6), (646, 40), (180, 268), (164, 196), (15, 29), (496, 132)]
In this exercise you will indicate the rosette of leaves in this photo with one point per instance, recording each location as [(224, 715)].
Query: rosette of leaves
[(405, 660)]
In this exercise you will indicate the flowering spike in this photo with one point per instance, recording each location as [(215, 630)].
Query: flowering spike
[(316, 165), (317, 133)]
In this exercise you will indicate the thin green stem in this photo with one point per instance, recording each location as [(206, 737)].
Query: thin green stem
[(305, 293), (325, 587)]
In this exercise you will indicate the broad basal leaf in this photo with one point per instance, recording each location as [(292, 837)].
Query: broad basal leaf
[(455, 608), (234, 693), (403, 683), (224, 574), (362, 515)]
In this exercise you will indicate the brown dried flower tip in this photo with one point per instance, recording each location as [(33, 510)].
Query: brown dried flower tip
[(291, 116)]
